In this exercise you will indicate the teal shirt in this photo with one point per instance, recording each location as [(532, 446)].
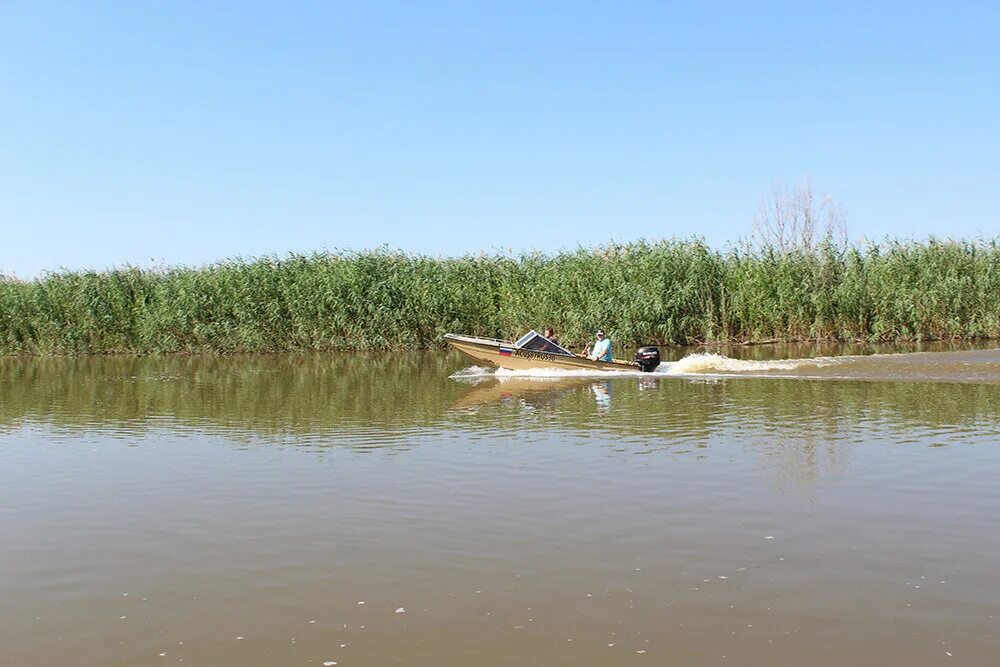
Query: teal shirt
[(602, 350)]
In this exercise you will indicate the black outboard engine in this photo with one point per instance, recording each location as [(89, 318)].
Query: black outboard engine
[(648, 358)]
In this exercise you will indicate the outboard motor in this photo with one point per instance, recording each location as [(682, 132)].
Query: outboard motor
[(648, 358)]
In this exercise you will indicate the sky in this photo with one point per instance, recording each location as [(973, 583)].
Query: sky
[(163, 133)]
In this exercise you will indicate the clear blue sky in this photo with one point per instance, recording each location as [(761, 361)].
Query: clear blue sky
[(184, 132)]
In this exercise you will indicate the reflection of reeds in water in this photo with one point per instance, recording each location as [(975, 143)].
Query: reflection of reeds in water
[(264, 394), (802, 430), (669, 292), (330, 393)]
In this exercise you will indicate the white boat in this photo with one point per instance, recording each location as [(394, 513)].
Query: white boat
[(533, 350)]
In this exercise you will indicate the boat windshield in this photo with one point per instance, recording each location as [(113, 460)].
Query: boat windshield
[(539, 343)]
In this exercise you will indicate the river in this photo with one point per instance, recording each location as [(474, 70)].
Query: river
[(835, 509)]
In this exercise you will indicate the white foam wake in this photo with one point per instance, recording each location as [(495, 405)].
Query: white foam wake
[(472, 372), (707, 363), (952, 366), (702, 363)]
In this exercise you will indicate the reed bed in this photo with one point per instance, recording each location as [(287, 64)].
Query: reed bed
[(669, 292)]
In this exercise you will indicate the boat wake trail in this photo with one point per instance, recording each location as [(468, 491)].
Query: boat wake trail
[(693, 364), (473, 374), (708, 363), (980, 366)]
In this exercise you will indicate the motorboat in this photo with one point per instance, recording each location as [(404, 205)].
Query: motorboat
[(534, 351)]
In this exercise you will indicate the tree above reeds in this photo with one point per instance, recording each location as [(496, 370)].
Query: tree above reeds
[(790, 219)]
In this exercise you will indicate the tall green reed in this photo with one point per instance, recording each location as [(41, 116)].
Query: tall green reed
[(678, 291)]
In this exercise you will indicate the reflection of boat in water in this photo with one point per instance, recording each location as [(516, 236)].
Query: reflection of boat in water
[(534, 351), (497, 391)]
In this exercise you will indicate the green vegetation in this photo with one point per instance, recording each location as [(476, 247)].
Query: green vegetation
[(666, 292)]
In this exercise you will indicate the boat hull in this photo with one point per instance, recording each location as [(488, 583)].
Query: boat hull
[(489, 351)]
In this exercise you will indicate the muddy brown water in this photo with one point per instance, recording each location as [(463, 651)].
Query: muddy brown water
[(373, 510)]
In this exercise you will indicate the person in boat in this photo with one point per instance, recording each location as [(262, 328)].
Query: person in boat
[(601, 351), (551, 335)]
